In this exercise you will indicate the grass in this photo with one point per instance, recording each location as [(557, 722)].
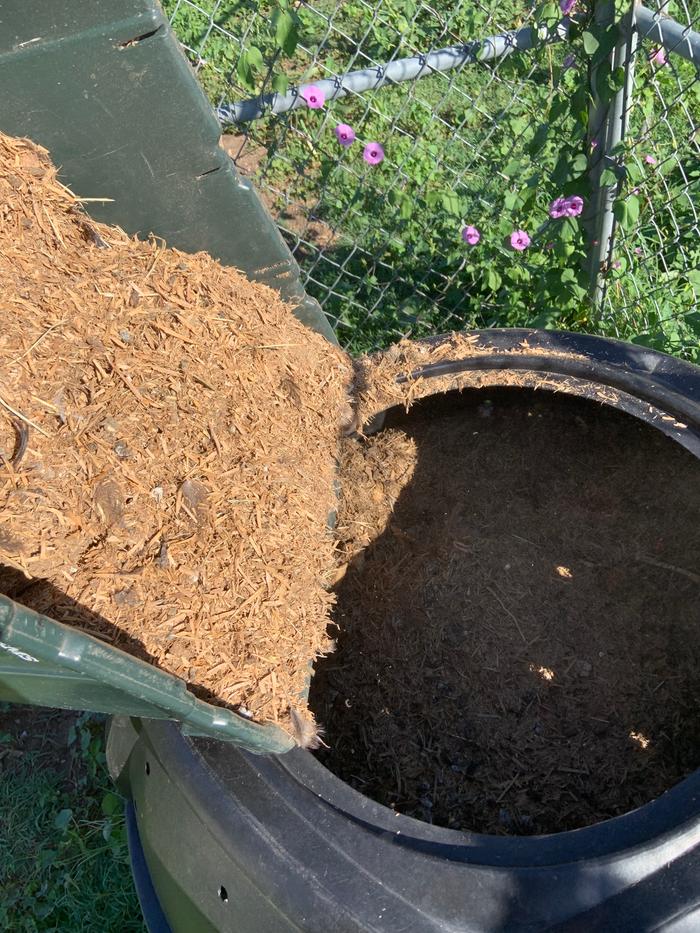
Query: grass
[(64, 864)]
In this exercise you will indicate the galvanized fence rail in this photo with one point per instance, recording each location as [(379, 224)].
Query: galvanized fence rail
[(541, 165)]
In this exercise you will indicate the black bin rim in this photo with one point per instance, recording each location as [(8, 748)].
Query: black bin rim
[(660, 390)]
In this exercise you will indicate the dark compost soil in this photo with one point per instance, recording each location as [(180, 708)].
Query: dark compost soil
[(517, 624)]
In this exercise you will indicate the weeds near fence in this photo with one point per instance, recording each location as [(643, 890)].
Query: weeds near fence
[(489, 146)]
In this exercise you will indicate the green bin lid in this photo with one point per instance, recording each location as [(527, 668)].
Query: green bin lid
[(47, 663)]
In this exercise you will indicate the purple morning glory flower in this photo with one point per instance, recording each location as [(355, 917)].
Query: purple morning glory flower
[(558, 208), (617, 264), (569, 62), (594, 144), (471, 235), (658, 57), (519, 240), (649, 159), (574, 205), (638, 250), (345, 134), (566, 207), (314, 96), (373, 154), (566, 6)]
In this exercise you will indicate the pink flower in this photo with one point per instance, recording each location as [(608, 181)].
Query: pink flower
[(314, 96), (519, 240), (638, 250), (566, 207), (557, 208), (617, 264), (345, 134), (649, 159), (594, 144), (471, 235), (566, 6), (373, 154), (658, 57), (574, 205)]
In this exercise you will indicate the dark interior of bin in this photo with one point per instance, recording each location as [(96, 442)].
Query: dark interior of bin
[(518, 649)]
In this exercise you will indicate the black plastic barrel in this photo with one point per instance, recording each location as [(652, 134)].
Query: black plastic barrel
[(224, 840)]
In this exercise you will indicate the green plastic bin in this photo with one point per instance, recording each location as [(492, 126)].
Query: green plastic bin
[(104, 86)]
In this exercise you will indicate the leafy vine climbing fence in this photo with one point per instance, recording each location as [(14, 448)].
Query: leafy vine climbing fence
[(541, 164)]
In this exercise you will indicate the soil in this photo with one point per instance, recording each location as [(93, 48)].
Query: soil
[(518, 648), (168, 443)]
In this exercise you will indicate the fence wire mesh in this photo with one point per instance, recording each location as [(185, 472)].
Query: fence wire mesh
[(652, 277), (479, 151)]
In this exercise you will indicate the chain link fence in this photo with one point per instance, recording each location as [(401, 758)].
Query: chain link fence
[(651, 276), (515, 137)]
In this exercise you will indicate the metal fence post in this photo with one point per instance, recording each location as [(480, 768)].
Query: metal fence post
[(607, 127)]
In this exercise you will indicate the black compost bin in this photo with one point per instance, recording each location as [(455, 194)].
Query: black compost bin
[(225, 840)]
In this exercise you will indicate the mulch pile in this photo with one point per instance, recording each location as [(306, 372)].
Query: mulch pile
[(168, 435), (518, 643)]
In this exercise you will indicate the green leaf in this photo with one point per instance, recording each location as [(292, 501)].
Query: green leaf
[(627, 212), (694, 279), (511, 200), (608, 178), (286, 32), (513, 168), (255, 59), (451, 203), (493, 280), (406, 211), (539, 139), (244, 73), (111, 803), (633, 172), (590, 43), (580, 164), (63, 818), (546, 319), (617, 79), (280, 83), (693, 321), (568, 229), (519, 124)]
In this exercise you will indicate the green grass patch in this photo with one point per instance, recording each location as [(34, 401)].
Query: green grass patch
[(64, 863)]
